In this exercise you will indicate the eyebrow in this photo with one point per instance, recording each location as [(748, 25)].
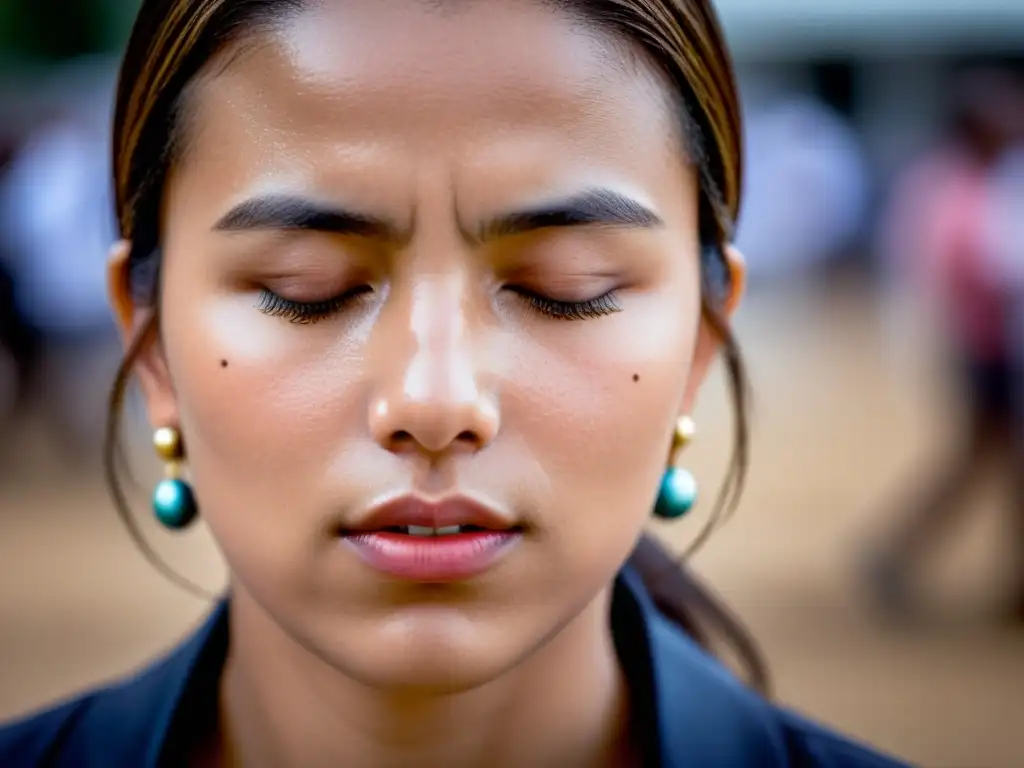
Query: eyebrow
[(281, 212), (594, 207)]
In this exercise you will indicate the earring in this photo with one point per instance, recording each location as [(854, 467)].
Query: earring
[(174, 503), (678, 492)]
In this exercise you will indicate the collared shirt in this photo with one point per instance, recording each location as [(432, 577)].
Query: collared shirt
[(693, 711)]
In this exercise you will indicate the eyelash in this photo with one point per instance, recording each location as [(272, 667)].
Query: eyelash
[(600, 306), (307, 313)]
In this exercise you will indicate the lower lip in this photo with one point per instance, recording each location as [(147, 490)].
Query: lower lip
[(433, 558)]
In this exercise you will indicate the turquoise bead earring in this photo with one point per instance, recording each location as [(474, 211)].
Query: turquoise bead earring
[(678, 492), (174, 503)]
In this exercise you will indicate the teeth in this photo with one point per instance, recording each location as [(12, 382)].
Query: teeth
[(420, 530)]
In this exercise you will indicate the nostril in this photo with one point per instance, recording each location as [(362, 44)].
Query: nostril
[(406, 440)]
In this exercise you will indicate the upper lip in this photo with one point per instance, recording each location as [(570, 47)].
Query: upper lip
[(443, 513)]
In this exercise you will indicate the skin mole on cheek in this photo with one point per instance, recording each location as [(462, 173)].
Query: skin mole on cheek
[(636, 377), (223, 363)]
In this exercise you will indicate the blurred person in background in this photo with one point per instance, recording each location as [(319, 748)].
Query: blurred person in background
[(18, 348), (19, 340), (56, 213), (806, 186), (952, 234), (1004, 242), (16, 337)]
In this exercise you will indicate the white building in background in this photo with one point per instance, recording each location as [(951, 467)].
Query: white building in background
[(786, 29), (898, 55)]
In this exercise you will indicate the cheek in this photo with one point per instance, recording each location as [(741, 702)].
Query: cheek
[(602, 412), (262, 428)]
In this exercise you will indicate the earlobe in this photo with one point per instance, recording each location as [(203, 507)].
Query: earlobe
[(119, 291), (708, 344), (737, 265), (704, 355), (141, 340)]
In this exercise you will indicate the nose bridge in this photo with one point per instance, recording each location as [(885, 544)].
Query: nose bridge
[(432, 393), (439, 369)]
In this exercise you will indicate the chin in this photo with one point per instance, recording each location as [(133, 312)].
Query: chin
[(433, 654), (438, 680)]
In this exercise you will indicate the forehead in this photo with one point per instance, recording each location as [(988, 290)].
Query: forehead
[(454, 79)]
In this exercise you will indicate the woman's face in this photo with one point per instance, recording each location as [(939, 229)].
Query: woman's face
[(460, 178)]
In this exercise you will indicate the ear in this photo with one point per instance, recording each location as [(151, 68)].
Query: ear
[(140, 334), (708, 343)]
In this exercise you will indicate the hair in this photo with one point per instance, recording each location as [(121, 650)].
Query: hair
[(981, 106), (174, 40)]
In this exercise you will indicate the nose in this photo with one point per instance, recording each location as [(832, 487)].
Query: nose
[(433, 396)]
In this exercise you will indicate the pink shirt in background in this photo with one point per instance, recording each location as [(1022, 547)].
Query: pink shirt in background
[(936, 236)]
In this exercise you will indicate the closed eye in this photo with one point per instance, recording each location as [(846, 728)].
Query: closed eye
[(308, 312), (599, 306)]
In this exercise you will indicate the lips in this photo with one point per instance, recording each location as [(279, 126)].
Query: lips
[(418, 540), (418, 514)]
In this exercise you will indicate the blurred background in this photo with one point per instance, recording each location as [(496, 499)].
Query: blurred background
[(879, 552)]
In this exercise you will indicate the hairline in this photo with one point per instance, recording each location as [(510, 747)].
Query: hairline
[(629, 57)]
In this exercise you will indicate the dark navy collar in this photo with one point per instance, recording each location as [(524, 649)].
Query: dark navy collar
[(704, 715), (696, 712), (692, 712)]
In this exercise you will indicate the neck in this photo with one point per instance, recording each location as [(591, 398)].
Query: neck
[(565, 705)]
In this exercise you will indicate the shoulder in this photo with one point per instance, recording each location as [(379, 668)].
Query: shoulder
[(87, 730), (115, 724), (37, 739), (813, 746), (124, 723), (728, 724)]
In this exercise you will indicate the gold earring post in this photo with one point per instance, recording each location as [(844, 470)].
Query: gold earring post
[(686, 431), (167, 442)]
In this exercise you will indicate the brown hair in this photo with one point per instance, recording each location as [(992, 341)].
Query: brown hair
[(173, 40)]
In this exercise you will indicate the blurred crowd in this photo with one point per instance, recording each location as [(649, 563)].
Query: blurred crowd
[(952, 234), (56, 226)]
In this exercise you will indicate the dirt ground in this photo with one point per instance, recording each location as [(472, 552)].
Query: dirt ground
[(844, 419)]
